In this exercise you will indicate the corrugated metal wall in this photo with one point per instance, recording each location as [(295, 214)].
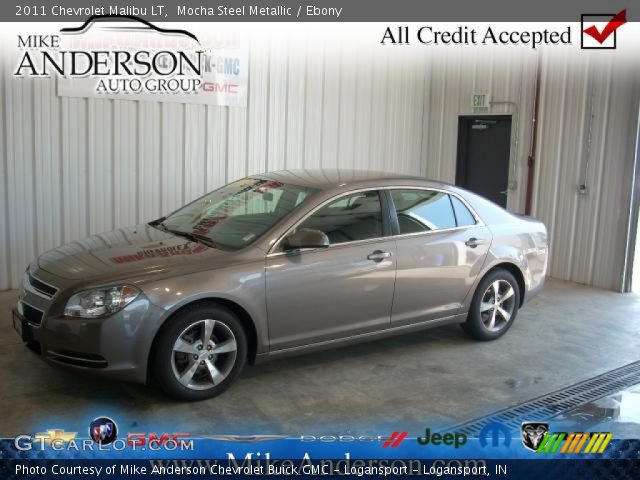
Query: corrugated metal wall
[(588, 124), (73, 167)]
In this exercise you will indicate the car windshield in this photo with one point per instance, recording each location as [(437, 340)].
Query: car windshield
[(237, 214)]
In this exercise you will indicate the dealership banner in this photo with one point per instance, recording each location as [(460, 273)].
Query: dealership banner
[(131, 59), (108, 452)]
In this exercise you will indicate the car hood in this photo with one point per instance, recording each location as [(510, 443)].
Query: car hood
[(127, 252)]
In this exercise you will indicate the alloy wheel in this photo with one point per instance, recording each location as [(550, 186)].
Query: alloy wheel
[(204, 354), (497, 305)]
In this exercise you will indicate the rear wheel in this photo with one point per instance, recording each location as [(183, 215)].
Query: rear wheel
[(494, 306), (200, 352)]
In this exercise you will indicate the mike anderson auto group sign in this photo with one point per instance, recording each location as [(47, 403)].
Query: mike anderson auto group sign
[(135, 60)]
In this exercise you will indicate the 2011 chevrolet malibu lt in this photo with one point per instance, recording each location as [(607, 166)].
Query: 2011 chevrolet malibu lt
[(274, 264)]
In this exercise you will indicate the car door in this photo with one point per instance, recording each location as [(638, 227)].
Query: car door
[(441, 247), (315, 295)]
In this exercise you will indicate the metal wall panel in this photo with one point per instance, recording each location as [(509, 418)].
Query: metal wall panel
[(149, 144), (588, 119), (73, 167), (5, 265)]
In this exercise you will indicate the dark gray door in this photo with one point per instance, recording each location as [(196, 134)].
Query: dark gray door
[(483, 156)]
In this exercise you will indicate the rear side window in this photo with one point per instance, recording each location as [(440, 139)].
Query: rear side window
[(350, 218), (423, 210), (463, 215)]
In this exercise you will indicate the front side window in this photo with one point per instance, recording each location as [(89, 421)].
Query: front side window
[(238, 213), (353, 217), (423, 210)]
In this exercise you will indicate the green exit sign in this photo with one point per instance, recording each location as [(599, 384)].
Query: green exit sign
[(480, 100)]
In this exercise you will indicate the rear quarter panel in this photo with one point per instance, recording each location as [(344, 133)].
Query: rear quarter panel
[(519, 240), (525, 244)]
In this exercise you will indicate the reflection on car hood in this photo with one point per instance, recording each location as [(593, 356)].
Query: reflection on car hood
[(127, 251)]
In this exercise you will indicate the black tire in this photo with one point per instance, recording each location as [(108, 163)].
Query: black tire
[(478, 322), (165, 361)]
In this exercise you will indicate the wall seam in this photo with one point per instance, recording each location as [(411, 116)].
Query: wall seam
[(5, 179)]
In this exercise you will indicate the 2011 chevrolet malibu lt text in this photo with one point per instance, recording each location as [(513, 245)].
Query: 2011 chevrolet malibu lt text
[(274, 264)]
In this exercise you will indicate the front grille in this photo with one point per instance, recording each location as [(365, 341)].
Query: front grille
[(41, 287), (33, 315)]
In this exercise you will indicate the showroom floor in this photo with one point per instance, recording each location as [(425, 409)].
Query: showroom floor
[(434, 378)]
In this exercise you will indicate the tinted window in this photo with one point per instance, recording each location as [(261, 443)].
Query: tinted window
[(350, 218), (423, 210), (463, 215)]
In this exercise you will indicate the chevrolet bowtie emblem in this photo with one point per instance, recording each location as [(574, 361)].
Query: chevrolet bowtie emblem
[(55, 434)]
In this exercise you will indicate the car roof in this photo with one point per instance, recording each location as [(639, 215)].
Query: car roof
[(341, 179)]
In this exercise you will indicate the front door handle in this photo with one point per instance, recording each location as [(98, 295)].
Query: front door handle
[(378, 255), (473, 242)]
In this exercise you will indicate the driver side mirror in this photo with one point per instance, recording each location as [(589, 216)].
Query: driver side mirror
[(306, 238)]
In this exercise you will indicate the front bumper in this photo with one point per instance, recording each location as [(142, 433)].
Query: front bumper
[(116, 346)]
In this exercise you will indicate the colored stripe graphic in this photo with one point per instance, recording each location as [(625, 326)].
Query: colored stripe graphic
[(395, 439), (578, 447), (594, 437), (598, 443), (574, 442), (551, 442), (570, 440)]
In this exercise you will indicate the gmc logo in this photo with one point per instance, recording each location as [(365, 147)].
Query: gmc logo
[(220, 87)]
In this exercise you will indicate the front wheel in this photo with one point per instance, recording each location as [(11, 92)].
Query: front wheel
[(494, 306), (200, 352)]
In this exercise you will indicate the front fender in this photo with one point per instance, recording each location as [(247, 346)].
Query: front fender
[(244, 285)]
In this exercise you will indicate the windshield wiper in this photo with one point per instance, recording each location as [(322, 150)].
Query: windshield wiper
[(194, 237), (160, 224)]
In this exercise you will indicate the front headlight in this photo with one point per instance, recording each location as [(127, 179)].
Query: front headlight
[(100, 302)]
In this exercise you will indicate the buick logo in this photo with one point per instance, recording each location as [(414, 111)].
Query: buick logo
[(103, 430)]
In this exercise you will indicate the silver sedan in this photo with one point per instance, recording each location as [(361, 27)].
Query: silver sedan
[(276, 264)]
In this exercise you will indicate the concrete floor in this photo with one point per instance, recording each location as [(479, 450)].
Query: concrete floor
[(434, 378)]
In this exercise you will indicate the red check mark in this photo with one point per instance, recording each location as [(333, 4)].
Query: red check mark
[(616, 22)]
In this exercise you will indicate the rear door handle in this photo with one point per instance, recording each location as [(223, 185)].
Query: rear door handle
[(473, 242), (378, 255)]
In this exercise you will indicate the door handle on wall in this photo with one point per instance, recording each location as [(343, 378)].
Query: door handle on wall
[(378, 255)]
